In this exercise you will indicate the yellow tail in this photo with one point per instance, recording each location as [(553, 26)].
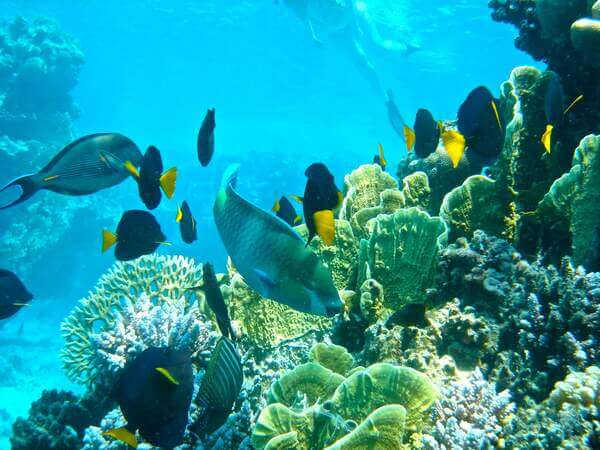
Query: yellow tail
[(455, 143), (168, 180), (410, 137), (547, 138), (325, 226), (123, 435), (108, 240)]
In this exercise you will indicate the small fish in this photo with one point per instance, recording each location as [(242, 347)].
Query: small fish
[(151, 179), (454, 143), (379, 159), (154, 392), (481, 125), (220, 386), (270, 255), (206, 138), (284, 209), (555, 112), (83, 167), (138, 234), (321, 198), (427, 133), (187, 223), (13, 294), (412, 314)]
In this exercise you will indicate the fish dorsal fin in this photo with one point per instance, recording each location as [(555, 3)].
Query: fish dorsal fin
[(168, 181), (454, 142), (547, 138), (108, 240), (165, 373), (325, 226), (409, 137), (67, 149), (124, 435)]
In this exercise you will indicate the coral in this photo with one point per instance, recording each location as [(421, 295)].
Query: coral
[(402, 254), (478, 204), (163, 279), (470, 416), (416, 190), (333, 357)]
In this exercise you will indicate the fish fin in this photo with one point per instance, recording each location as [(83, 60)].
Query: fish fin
[(28, 187), (164, 243), (455, 143), (382, 159), (276, 207), (340, 199), (108, 240), (124, 435), (21, 304), (297, 198), (50, 178), (179, 215), (164, 372), (265, 279), (547, 138), (573, 103), (409, 137), (325, 225), (168, 181), (297, 219), (129, 167), (495, 108)]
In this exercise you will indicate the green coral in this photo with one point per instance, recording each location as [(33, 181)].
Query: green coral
[(333, 357), (161, 278), (402, 253), (416, 190)]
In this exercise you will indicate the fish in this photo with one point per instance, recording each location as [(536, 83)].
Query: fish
[(409, 137), (85, 166), (412, 314), (13, 294), (187, 223), (454, 143), (206, 138), (214, 298), (555, 112), (138, 233), (220, 386), (379, 158), (271, 255), (481, 125), (151, 179), (394, 115), (427, 133), (321, 198), (284, 209), (154, 392)]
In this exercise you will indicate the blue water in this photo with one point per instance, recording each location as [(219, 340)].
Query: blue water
[(153, 68)]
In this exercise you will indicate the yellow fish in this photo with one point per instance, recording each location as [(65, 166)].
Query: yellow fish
[(455, 143)]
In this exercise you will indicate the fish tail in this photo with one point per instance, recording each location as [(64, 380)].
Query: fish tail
[(230, 176), (28, 188)]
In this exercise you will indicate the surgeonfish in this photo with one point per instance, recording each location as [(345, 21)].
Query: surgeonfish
[(151, 179), (13, 294), (83, 167), (220, 387), (138, 234), (270, 255), (379, 158), (187, 223), (412, 314), (206, 138), (321, 198), (284, 209), (555, 112), (427, 133), (154, 392)]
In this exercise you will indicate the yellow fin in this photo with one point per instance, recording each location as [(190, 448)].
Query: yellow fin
[(454, 142), (276, 207), (547, 138), (50, 178), (108, 240), (409, 137), (340, 197), (381, 155), (297, 219), (123, 435), (325, 225), (573, 103), (495, 108), (168, 180), (129, 167), (297, 198), (179, 215), (164, 372)]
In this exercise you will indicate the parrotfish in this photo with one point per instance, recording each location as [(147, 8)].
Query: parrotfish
[(85, 166), (270, 255), (138, 234), (206, 138), (13, 294)]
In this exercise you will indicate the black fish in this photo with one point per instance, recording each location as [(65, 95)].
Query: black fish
[(220, 386), (154, 392), (321, 198), (481, 125), (187, 223), (85, 166), (284, 209), (138, 233), (427, 133), (412, 314), (13, 294), (151, 178), (206, 138)]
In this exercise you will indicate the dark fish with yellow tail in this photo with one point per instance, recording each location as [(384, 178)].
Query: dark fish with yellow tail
[(187, 223), (206, 138), (555, 111), (427, 133), (379, 158), (154, 392), (83, 167), (138, 234), (271, 256), (321, 199), (284, 209), (13, 294), (219, 388), (151, 179)]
